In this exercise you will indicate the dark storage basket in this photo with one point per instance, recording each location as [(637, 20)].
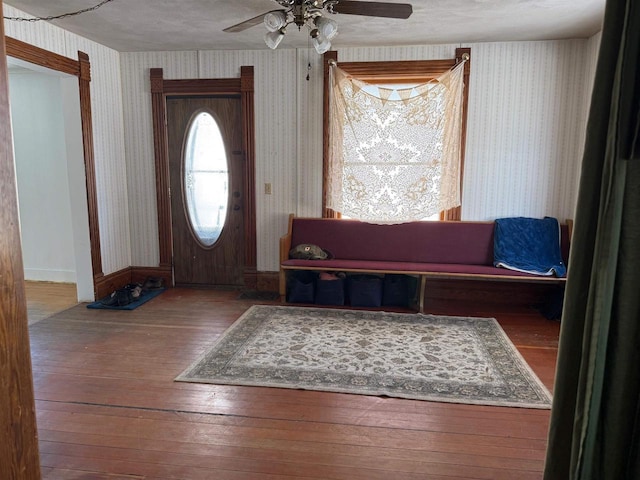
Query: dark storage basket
[(330, 292), (365, 290), (395, 291), (301, 287)]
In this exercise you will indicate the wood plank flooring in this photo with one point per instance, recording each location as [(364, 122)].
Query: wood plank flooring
[(107, 406), (46, 298)]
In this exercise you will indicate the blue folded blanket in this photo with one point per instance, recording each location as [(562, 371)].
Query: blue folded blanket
[(530, 245)]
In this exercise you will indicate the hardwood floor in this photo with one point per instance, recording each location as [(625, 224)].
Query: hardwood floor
[(107, 406), (46, 298)]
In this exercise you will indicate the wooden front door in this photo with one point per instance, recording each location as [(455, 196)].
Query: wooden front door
[(207, 211)]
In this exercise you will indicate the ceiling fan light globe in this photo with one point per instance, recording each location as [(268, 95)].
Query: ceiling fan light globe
[(321, 44), (327, 27), (274, 21), (273, 39)]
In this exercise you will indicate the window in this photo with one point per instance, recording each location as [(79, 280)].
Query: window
[(205, 179), (377, 150)]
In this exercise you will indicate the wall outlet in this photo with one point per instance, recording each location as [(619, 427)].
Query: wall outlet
[(267, 189)]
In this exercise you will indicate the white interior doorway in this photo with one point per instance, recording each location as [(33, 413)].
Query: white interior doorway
[(50, 173)]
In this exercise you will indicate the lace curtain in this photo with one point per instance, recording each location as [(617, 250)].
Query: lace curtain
[(394, 155)]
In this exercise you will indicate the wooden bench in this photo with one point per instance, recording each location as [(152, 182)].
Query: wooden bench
[(445, 250)]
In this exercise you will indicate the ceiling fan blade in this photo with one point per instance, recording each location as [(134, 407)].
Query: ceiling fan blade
[(374, 9), (252, 22)]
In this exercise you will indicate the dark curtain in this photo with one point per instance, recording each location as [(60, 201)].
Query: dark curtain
[(595, 419)]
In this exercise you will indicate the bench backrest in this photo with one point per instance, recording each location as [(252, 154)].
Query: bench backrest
[(469, 243)]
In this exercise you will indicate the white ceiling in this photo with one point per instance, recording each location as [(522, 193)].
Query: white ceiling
[(148, 25)]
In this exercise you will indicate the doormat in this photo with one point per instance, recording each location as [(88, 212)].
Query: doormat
[(414, 356), (144, 297)]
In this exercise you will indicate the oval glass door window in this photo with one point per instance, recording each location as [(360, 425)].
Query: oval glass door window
[(206, 179)]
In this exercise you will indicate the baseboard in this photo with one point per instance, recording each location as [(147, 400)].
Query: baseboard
[(250, 278), (268, 281), (106, 284), (140, 274)]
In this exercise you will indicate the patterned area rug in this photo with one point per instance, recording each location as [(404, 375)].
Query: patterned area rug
[(424, 357)]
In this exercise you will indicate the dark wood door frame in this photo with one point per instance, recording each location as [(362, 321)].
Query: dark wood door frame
[(81, 68), (160, 90)]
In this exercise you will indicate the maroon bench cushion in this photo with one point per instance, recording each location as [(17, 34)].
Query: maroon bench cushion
[(454, 248)]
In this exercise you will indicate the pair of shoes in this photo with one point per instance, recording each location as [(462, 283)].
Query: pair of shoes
[(118, 298), (111, 300), (136, 291), (153, 283), (123, 296)]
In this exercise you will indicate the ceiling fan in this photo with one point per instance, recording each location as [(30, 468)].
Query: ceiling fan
[(310, 13)]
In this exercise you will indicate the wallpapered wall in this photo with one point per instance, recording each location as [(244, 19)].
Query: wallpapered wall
[(527, 113), (276, 138), (108, 131), (526, 119)]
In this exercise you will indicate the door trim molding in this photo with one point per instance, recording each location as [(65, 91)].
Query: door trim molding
[(160, 90), (81, 68)]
